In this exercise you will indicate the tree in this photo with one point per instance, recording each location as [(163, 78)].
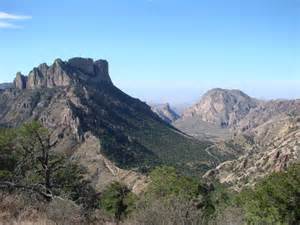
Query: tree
[(37, 167), (166, 182), (117, 200), (8, 158), (167, 186), (37, 159)]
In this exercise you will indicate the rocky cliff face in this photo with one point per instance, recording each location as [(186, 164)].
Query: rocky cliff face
[(62, 74), (230, 112), (214, 116), (113, 135), (222, 107), (267, 112), (277, 147), (229, 117), (165, 112)]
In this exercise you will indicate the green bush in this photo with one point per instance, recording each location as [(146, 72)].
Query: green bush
[(117, 200), (8, 157), (29, 161), (166, 182), (168, 185), (275, 200)]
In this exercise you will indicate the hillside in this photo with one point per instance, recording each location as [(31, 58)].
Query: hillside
[(222, 107), (5, 86), (277, 148), (263, 135), (165, 112), (221, 113), (217, 112), (99, 125)]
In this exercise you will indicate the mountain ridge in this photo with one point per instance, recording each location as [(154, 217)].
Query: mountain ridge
[(96, 123), (165, 112), (263, 135), (222, 107), (4, 86)]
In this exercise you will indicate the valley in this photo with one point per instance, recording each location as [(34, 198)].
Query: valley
[(262, 135), (222, 145)]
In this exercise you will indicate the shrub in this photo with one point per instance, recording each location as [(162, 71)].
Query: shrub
[(117, 200), (166, 182), (275, 200), (171, 212)]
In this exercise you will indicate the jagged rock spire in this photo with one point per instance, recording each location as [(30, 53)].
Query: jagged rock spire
[(64, 73), (20, 81)]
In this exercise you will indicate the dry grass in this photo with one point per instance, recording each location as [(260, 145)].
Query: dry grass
[(173, 212), (17, 209)]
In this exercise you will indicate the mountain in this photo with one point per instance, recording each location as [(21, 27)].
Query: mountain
[(221, 113), (112, 134), (5, 86), (267, 112), (165, 112), (222, 107), (216, 112), (263, 135), (277, 149)]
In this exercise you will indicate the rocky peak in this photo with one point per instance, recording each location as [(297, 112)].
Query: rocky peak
[(222, 107), (64, 73), (85, 65), (20, 81), (165, 112)]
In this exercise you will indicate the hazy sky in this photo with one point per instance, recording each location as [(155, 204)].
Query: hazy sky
[(162, 50)]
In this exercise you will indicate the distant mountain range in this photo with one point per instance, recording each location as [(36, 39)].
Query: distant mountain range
[(5, 86), (265, 135), (276, 146)]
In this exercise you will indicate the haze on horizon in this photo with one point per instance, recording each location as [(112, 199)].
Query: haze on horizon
[(162, 50)]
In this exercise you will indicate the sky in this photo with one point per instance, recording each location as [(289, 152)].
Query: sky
[(162, 50)]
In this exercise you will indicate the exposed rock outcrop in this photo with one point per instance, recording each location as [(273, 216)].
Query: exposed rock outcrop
[(264, 135), (277, 147), (222, 113), (20, 81), (266, 113), (165, 112), (61, 74), (113, 135), (104, 171), (222, 107)]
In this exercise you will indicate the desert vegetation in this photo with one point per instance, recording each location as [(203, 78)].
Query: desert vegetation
[(42, 186)]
